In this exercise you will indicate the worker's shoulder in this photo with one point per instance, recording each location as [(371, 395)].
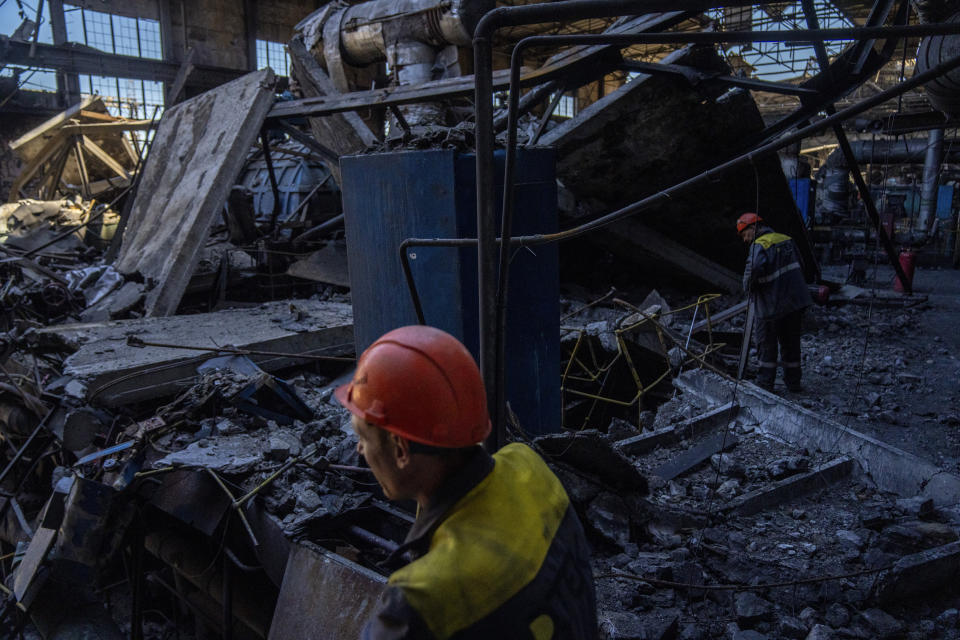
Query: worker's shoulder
[(492, 543), (768, 240)]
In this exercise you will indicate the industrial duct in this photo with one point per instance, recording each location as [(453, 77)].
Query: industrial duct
[(416, 38), (943, 92), (834, 182)]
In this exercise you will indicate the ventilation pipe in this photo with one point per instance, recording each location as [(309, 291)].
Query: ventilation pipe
[(417, 38), (944, 92), (928, 191)]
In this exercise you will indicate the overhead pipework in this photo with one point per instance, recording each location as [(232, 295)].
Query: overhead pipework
[(943, 92), (418, 40)]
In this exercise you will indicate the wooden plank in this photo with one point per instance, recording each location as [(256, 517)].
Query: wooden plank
[(54, 122), (116, 373), (95, 128), (53, 146), (104, 157)]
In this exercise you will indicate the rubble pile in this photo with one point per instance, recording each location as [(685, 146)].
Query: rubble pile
[(691, 559)]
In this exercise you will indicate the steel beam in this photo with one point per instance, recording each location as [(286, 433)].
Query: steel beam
[(74, 59)]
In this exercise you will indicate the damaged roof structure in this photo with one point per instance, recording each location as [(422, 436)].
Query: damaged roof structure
[(212, 208)]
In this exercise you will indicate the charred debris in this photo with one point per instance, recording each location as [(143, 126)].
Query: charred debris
[(176, 309)]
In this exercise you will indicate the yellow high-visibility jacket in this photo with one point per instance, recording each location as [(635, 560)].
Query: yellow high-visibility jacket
[(502, 555)]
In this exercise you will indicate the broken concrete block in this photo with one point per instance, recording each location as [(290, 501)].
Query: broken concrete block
[(695, 456), (821, 632), (736, 633), (837, 615), (949, 618), (621, 625), (790, 627), (751, 609), (882, 623), (784, 467), (608, 515), (729, 489), (920, 572), (308, 500), (196, 154), (278, 448), (228, 455), (918, 506), (591, 452)]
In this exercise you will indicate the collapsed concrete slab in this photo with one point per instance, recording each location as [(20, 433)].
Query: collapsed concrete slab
[(199, 149), (116, 373), (656, 131), (891, 468)]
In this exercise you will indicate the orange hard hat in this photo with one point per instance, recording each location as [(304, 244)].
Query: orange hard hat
[(746, 220), (420, 383)]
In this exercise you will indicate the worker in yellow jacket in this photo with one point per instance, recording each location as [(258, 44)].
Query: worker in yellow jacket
[(773, 280), (498, 551)]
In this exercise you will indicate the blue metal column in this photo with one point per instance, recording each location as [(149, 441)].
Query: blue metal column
[(432, 194)]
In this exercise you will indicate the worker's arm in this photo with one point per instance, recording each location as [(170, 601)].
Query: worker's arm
[(756, 261), (395, 619)]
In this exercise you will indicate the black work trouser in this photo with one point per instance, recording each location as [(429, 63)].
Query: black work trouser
[(786, 332)]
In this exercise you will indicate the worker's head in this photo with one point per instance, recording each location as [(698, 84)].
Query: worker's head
[(747, 226), (416, 396)]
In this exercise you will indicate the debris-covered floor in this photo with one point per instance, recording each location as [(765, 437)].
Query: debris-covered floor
[(706, 519), (173, 463)]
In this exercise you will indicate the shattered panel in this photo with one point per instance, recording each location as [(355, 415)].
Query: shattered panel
[(198, 151)]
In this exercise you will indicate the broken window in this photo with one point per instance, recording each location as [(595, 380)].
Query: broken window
[(273, 55), (18, 20), (780, 60), (139, 37)]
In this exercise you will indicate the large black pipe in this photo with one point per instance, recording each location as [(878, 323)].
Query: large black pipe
[(902, 151)]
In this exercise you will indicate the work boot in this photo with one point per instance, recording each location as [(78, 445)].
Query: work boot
[(765, 383), (792, 379)]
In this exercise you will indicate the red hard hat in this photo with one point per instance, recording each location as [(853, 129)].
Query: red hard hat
[(420, 383), (746, 220)]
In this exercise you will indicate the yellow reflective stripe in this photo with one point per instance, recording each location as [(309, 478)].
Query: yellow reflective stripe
[(491, 546), (779, 272), (767, 240)]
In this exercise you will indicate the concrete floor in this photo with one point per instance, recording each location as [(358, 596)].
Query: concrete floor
[(891, 372)]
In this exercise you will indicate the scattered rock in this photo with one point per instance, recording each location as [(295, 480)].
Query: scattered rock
[(607, 514), (820, 632), (949, 618), (786, 467), (837, 615), (881, 622), (790, 627), (751, 609), (809, 617), (621, 625), (308, 500), (729, 489)]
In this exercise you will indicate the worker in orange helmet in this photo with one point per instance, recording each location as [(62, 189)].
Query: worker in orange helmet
[(497, 549), (774, 282)]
